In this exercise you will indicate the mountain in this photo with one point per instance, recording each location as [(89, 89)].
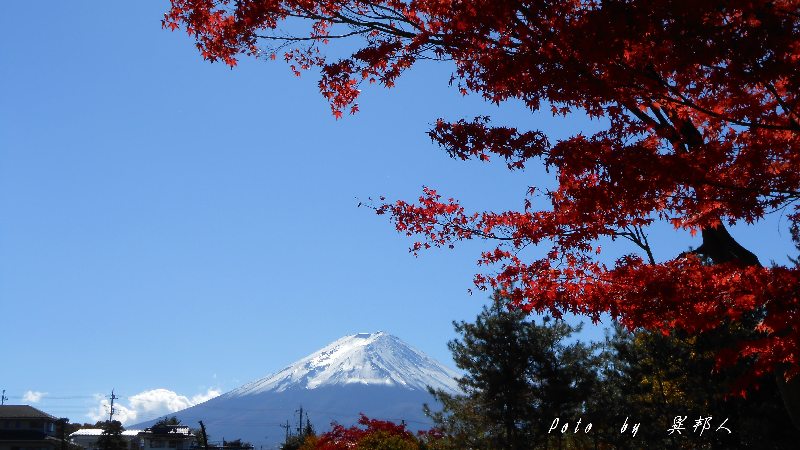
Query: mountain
[(374, 373)]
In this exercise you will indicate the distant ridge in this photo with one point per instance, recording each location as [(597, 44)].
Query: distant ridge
[(374, 373)]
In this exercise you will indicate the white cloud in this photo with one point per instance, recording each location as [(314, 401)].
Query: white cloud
[(148, 405), (33, 396), (121, 412), (200, 398)]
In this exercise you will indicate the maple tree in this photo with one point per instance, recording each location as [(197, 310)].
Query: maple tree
[(374, 434), (700, 101)]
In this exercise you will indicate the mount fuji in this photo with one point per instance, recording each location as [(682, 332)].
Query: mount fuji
[(372, 373)]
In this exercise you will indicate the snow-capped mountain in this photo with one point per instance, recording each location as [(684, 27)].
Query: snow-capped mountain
[(372, 373), (365, 358)]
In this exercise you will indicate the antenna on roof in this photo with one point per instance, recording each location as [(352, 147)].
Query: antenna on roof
[(3, 398)]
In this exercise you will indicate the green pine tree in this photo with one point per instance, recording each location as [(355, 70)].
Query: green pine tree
[(519, 376), (112, 439)]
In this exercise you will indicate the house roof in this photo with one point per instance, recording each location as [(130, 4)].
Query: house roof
[(172, 428), (23, 412), (168, 430), (99, 431)]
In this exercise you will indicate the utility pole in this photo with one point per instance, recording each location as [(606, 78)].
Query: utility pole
[(286, 427), (300, 422), (205, 436), (111, 412), (3, 398)]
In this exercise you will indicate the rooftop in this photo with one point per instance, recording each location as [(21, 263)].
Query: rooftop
[(23, 412), (168, 429), (99, 431)]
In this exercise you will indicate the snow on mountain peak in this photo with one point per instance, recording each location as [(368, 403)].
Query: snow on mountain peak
[(364, 358)]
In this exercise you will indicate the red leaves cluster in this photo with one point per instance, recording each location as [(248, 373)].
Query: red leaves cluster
[(681, 293), (371, 433), (465, 140), (702, 106), (686, 294), (225, 29), (440, 222)]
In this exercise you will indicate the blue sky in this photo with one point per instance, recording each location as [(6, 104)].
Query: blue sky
[(171, 224)]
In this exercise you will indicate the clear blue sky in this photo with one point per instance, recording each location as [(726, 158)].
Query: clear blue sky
[(169, 223)]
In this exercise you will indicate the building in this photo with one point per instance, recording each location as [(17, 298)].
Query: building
[(24, 427), (87, 438), (159, 437), (166, 437)]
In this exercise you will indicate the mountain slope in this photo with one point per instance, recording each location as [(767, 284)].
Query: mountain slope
[(365, 358)]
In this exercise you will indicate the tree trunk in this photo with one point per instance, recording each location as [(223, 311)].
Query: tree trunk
[(720, 247), (790, 392)]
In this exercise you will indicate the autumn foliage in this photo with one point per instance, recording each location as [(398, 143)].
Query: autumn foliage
[(372, 434), (700, 101)]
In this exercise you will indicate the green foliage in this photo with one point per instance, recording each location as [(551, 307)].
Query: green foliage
[(651, 378), (293, 442), (63, 430), (112, 439), (519, 376), (167, 421), (237, 444), (200, 436), (297, 441), (383, 440)]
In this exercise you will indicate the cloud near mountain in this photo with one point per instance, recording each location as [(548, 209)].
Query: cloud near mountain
[(147, 404)]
